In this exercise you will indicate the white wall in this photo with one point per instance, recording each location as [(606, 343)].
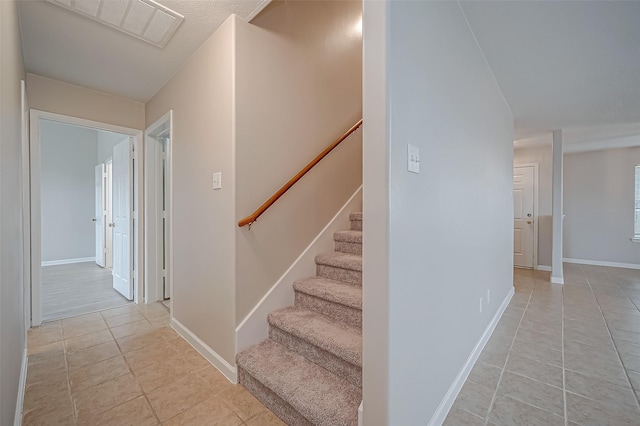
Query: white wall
[(543, 156), (69, 155), (12, 316), (204, 220), (46, 94), (598, 204), (286, 114), (450, 228)]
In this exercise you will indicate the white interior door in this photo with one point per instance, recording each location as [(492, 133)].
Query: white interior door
[(108, 246), (523, 217), (99, 218), (122, 218)]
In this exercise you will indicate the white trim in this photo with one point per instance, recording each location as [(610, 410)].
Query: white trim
[(26, 209), (212, 356), (535, 207), (36, 236), (635, 239), (445, 405), (543, 268), (602, 263), (153, 292), (68, 261), (22, 385), (360, 411), (557, 280), (254, 327)]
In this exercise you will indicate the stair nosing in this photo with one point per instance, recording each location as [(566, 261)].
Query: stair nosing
[(296, 332), (332, 259), (301, 286)]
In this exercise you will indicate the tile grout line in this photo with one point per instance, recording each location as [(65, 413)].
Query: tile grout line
[(624, 368), (504, 367)]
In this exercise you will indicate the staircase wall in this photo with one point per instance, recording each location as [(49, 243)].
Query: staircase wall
[(254, 328), (450, 227), (298, 87), (201, 97)]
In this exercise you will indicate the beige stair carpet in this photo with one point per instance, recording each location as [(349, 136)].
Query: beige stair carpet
[(309, 371)]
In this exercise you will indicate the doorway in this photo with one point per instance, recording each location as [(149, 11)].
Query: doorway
[(70, 218), (525, 215), (158, 212)]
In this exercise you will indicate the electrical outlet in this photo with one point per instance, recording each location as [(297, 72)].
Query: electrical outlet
[(488, 296), (481, 305), (413, 158)]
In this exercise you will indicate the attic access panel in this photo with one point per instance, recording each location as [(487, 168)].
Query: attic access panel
[(143, 19)]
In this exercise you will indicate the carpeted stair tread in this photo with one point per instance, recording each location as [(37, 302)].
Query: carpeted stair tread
[(337, 338), (348, 236), (317, 394), (355, 216), (333, 291), (348, 261)]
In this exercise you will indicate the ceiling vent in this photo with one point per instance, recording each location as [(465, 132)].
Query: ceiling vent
[(144, 19)]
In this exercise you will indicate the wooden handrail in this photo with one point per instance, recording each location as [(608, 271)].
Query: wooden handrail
[(256, 214)]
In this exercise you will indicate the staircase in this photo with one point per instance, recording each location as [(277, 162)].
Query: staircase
[(309, 370)]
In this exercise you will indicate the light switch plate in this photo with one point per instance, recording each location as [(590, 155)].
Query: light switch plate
[(413, 158), (217, 180)]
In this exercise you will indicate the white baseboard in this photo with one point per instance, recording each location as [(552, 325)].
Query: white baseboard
[(17, 421), (543, 268), (602, 263), (254, 327), (68, 261), (445, 405), (212, 356), (360, 420), (557, 280)]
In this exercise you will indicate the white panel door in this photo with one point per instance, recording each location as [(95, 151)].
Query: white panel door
[(122, 218), (99, 215), (523, 216)]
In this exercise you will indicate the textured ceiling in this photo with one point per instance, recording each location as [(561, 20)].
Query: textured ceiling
[(560, 64), (69, 47), (563, 64)]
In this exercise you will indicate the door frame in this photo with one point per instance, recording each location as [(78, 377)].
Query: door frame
[(535, 210), (26, 208), (35, 222), (154, 290)]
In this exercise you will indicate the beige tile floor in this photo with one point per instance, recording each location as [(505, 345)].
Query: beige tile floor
[(560, 355), (125, 366)]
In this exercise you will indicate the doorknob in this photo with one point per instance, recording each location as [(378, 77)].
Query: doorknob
[(529, 222), (94, 220)]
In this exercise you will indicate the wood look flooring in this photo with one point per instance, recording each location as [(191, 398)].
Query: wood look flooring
[(76, 289)]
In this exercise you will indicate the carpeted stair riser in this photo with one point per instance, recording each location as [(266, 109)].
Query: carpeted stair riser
[(348, 242), (349, 315), (356, 221), (346, 247), (313, 353), (272, 401), (339, 274)]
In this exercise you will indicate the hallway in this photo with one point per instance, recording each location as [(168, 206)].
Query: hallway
[(125, 366), (560, 354)]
